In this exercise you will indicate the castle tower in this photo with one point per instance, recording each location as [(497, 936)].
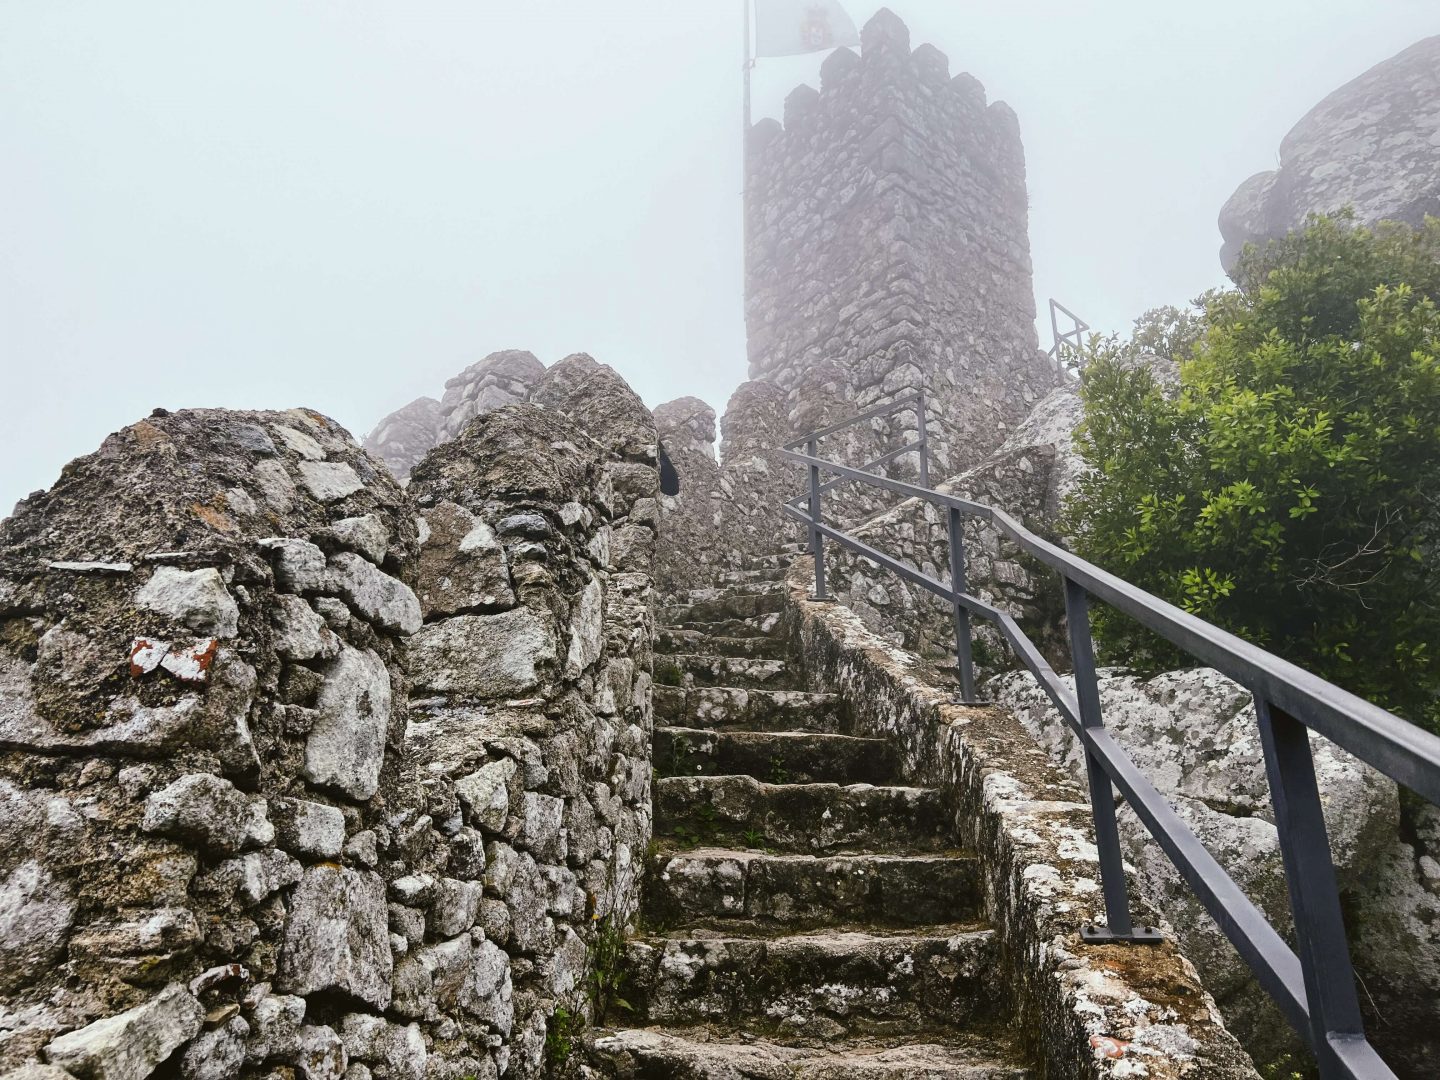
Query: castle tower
[(888, 250)]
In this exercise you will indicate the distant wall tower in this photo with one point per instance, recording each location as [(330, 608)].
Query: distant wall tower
[(888, 248)]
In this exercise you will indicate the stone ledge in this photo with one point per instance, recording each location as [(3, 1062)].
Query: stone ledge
[(1088, 1012)]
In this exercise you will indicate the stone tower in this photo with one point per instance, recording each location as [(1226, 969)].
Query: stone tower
[(887, 249)]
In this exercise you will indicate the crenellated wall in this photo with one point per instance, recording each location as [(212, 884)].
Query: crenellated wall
[(301, 776), (887, 249)]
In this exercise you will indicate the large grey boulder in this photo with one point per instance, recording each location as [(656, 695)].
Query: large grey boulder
[(1373, 144)]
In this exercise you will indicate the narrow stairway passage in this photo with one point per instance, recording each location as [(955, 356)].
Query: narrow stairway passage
[(805, 914)]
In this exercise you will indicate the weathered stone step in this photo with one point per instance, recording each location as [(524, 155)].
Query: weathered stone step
[(745, 577), (758, 626), (813, 988), (722, 606), (698, 669), (670, 641), (777, 757), (686, 1054), (780, 560), (747, 890), (772, 586), (740, 811), (720, 707)]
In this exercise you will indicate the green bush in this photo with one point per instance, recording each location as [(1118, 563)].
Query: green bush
[(1288, 488)]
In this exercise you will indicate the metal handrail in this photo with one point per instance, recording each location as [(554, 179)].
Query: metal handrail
[(1314, 984)]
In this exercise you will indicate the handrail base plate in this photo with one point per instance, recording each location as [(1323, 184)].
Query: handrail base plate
[(1091, 934)]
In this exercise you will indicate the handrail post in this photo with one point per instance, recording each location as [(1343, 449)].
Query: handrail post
[(1310, 878), (924, 440), (1102, 796), (963, 658), (817, 543)]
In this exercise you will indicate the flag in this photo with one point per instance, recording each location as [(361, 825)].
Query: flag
[(788, 27)]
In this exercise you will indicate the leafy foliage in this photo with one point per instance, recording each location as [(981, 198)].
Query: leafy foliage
[(1287, 487)]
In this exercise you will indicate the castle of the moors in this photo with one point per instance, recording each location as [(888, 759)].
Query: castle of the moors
[(511, 744)]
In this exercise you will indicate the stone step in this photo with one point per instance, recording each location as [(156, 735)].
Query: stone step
[(777, 757), (757, 587), (695, 1054), (778, 560), (722, 606), (741, 811), (817, 987), (721, 707), (757, 626), (670, 641), (698, 669), (745, 577), (749, 891)]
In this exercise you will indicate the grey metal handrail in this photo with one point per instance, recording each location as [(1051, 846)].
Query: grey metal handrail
[(1314, 984)]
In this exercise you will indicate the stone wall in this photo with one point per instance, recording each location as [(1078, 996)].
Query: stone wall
[(728, 509), (1372, 145), (531, 712), (228, 839), (408, 434), (1028, 476), (1087, 1011), (202, 707), (887, 250)]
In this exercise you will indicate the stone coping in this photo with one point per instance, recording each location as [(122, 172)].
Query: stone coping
[(1084, 1011)]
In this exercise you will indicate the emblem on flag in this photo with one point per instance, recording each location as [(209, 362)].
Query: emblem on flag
[(815, 31), (790, 27)]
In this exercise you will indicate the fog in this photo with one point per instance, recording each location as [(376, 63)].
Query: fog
[(342, 204)]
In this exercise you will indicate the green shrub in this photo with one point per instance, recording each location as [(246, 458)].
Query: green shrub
[(1289, 488)]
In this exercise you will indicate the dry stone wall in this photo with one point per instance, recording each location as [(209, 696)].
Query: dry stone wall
[(887, 250), (531, 705), (231, 844), (728, 509), (201, 710)]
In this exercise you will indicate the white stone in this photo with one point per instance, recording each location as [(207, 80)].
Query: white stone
[(456, 906), (376, 595), (366, 534), (301, 443), (346, 747), (210, 811), (217, 1054), (320, 1054), (482, 656), (36, 912), (540, 829), (485, 794), (196, 598), (129, 1045), (330, 480), (276, 1021), (337, 936), (299, 565), (300, 631), (307, 828), (586, 626)]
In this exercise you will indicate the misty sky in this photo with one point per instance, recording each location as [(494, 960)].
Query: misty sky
[(341, 204)]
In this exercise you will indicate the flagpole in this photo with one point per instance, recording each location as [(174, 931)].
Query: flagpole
[(749, 62)]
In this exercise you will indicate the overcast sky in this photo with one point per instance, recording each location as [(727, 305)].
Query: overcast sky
[(341, 204)]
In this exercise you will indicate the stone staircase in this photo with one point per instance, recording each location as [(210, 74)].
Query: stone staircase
[(804, 915)]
